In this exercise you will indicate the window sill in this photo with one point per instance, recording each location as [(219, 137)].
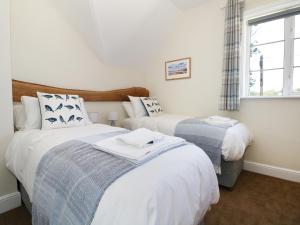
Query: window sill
[(271, 97)]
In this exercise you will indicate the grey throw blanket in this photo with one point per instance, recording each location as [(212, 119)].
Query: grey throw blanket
[(206, 136), (71, 180)]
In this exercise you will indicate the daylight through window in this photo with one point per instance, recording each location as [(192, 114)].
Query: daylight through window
[(274, 55)]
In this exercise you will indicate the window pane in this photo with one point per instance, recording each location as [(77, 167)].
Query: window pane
[(297, 52), (273, 82), (267, 32), (297, 26), (272, 56), (296, 80), (254, 84)]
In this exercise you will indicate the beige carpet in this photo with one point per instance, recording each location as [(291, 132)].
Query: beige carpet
[(257, 200)]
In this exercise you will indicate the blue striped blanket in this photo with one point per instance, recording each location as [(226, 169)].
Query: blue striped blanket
[(71, 180), (206, 136)]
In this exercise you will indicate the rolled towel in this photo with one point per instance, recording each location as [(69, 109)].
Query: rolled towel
[(219, 120), (140, 137)]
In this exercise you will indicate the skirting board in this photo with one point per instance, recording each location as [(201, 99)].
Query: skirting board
[(273, 171), (10, 201)]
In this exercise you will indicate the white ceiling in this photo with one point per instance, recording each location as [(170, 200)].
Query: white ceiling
[(187, 4), (123, 32)]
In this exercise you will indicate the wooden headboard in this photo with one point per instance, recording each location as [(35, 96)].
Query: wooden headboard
[(21, 88)]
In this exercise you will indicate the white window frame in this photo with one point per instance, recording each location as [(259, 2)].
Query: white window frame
[(245, 59)]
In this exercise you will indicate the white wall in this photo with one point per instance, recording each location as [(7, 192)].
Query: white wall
[(7, 181), (47, 50), (199, 34)]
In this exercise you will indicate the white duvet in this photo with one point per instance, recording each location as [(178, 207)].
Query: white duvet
[(236, 139), (176, 188)]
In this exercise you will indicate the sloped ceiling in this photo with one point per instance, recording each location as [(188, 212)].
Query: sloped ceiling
[(123, 32)]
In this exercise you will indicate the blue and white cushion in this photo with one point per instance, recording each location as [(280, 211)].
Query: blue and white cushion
[(152, 106), (59, 111)]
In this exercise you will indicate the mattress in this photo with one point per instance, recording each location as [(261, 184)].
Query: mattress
[(236, 139), (178, 187)]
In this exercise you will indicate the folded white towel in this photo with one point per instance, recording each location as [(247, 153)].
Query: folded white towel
[(141, 137), (219, 120), (135, 154)]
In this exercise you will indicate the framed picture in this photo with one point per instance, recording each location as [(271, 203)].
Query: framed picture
[(178, 69)]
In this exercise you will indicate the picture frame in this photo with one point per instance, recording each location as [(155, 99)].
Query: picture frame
[(178, 69)]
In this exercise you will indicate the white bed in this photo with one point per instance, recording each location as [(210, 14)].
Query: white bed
[(175, 188), (236, 140)]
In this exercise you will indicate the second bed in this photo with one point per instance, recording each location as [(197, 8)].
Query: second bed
[(235, 142)]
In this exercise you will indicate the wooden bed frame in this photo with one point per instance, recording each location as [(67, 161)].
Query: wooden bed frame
[(21, 88)]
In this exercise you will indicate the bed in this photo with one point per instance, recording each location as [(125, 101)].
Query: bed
[(176, 187), (184, 179), (235, 142)]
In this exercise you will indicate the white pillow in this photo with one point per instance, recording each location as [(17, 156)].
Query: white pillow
[(32, 113), (84, 112), (19, 117), (138, 107), (128, 108), (60, 111), (152, 105)]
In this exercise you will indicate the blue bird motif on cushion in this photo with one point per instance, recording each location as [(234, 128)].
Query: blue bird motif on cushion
[(59, 107), (62, 119), (69, 107), (48, 108), (77, 107), (79, 118), (48, 96), (71, 118), (51, 120), (58, 97)]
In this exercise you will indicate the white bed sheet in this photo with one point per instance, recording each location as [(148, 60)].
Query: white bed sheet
[(236, 139), (175, 188)]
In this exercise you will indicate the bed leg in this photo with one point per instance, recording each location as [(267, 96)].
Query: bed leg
[(226, 188)]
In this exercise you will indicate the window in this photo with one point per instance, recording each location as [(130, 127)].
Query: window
[(273, 55), (296, 64)]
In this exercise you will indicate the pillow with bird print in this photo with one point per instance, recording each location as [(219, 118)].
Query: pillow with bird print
[(60, 111), (152, 106)]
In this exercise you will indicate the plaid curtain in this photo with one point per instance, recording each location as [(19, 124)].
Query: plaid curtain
[(230, 96)]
